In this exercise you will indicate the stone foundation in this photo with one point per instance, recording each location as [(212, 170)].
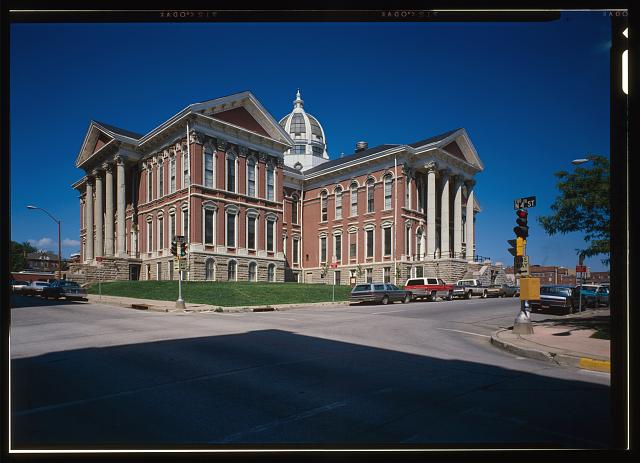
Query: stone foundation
[(110, 269)]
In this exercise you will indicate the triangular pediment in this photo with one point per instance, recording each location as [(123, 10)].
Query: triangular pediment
[(459, 145), (245, 111), (242, 118), (94, 141)]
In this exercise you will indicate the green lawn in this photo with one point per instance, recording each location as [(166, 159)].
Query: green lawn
[(226, 294)]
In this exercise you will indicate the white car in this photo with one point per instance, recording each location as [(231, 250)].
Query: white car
[(34, 288)]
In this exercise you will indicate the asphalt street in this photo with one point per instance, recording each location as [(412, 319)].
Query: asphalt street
[(416, 375)]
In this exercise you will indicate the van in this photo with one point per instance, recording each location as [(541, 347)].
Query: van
[(429, 288)]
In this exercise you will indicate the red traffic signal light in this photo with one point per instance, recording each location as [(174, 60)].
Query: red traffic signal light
[(522, 229)]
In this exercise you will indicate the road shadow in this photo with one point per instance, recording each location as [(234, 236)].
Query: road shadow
[(268, 388), (19, 301)]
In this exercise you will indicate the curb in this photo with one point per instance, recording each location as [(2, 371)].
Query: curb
[(585, 363), (126, 302)]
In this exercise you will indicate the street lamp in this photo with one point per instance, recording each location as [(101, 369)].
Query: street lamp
[(59, 242)]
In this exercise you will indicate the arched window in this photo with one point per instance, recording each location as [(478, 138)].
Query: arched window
[(354, 199), (370, 195), (271, 272), (388, 184), (253, 271), (323, 207), (338, 197), (210, 270), (232, 267), (160, 179)]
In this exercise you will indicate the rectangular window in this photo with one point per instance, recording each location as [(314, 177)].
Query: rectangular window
[(185, 224), (369, 243), (149, 236), (149, 185), (160, 233), (386, 274), (270, 227), (270, 183), (251, 178), (323, 249), (172, 227), (407, 237), (387, 241), (159, 270), (295, 251), (172, 174), (251, 232), (369, 275), (294, 211), (407, 193), (352, 245), (231, 230), (208, 226), (231, 175), (370, 197), (160, 180), (208, 169), (338, 248), (185, 169)]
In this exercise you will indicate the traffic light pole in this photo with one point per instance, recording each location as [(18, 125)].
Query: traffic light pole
[(180, 301), (522, 323)]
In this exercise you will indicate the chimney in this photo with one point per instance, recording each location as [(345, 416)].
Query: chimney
[(361, 146)]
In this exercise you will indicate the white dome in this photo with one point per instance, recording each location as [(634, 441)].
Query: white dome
[(310, 147)]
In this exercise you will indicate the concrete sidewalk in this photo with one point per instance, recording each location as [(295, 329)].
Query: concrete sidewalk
[(170, 306), (565, 341)]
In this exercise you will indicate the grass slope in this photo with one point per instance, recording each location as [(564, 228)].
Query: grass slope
[(226, 294)]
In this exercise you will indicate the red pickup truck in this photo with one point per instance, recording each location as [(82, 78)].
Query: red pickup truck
[(429, 288)]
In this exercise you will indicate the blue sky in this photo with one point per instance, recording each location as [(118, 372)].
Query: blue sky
[(532, 96)]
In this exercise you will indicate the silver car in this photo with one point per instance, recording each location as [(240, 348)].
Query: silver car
[(382, 293)]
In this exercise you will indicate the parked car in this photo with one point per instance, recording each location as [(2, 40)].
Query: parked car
[(555, 296), (470, 287), (602, 295), (496, 291), (429, 288), (585, 296), (63, 288), (511, 291), (34, 288), (382, 293), (18, 285)]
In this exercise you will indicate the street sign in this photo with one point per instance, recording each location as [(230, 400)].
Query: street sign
[(523, 203), (179, 265), (581, 269), (334, 265), (521, 265)]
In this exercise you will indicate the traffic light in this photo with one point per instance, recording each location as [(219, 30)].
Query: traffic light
[(522, 229), (517, 246), (183, 249), (174, 248)]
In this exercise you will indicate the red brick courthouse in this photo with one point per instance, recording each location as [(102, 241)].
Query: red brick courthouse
[(260, 200)]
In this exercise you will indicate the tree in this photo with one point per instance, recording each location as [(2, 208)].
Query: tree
[(19, 253), (583, 206)]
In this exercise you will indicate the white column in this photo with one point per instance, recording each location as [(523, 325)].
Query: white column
[(457, 217), (108, 226), (99, 214), (469, 231), (120, 192), (89, 219), (444, 214), (431, 209)]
